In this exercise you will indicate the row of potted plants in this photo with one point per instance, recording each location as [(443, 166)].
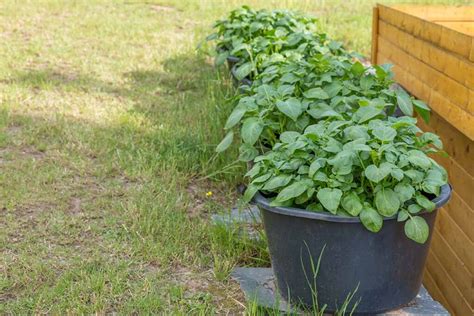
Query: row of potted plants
[(335, 157)]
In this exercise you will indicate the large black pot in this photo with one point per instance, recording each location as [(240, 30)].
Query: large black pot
[(386, 266)]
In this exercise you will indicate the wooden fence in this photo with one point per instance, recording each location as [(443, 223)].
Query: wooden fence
[(432, 50)]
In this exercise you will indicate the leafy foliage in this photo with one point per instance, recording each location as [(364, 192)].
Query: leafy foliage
[(253, 37), (329, 168), (320, 126)]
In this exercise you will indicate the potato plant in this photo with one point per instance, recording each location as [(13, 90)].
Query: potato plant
[(370, 169), (326, 133)]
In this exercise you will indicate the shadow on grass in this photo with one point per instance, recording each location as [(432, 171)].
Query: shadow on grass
[(183, 102)]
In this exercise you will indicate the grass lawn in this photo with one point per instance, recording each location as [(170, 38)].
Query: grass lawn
[(108, 122)]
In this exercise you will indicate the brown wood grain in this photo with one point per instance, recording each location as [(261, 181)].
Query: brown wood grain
[(435, 292), (438, 81), (375, 31), (443, 281), (453, 265), (438, 12), (446, 38), (458, 69), (410, 79), (466, 27)]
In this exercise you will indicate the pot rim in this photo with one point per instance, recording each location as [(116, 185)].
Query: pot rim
[(264, 203)]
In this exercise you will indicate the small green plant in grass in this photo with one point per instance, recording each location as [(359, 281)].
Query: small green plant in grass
[(370, 169)]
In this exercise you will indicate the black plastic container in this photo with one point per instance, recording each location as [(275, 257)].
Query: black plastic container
[(386, 266)]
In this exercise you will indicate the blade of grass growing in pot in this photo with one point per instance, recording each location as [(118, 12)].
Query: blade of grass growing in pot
[(313, 285), (316, 310)]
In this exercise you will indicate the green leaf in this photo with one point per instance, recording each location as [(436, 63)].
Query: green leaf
[(404, 192), (251, 130), (330, 199), (322, 110), (402, 216), (357, 68), (333, 89), (431, 138), (417, 229), (367, 82), (293, 190), (419, 159), (384, 133), (404, 102), (332, 146), (247, 152), (371, 219), (289, 77), (252, 173), (365, 113), (221, 58), (225, 143), (262, 178), (342, 162), (351, 203), (235, 116), (315, 166), (244, 70), (423, 110), (291, 108), (277, 182), (414, 208), (387, 202), (316, 93), (424, 202), (250, 193), (289, 137), (377, 174)]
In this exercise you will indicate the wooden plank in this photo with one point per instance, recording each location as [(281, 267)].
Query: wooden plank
[(470, 105), (375, 31), (435, 292), (462, 215), (459, 69), (444, 282), (451, 40), (461, 181), (456, 116), (438, 12), (471, 54), (447, 87), (455, 143), (466, 27), (453, 266), (458, 240)]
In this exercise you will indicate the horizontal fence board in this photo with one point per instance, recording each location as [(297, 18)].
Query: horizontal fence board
[(451, 40), (462, 214), (456, 116), (438, 12), (444, 282), (453, 265), (458, 69), (453, 235), (438, 81), (461, 181), (465, 27)]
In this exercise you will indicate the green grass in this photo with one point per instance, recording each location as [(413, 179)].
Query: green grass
[(108, 121)]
